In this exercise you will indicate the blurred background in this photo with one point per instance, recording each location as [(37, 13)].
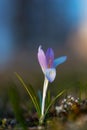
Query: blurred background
[(60, 24)]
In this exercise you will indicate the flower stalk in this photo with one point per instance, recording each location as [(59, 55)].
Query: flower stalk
[(45, 86)]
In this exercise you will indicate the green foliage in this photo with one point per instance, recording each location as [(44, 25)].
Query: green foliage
[(53, 101), (40, 98), (32, 94), (37, 101), (15, 101), (48, 99)]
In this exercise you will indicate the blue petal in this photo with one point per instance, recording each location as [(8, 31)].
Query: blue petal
[(50, 74), (50, 57), (59, 61)]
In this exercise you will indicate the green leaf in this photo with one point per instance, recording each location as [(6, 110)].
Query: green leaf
[(40, 98), (48, 98), (15, 101), (52, 102), (31, 93)]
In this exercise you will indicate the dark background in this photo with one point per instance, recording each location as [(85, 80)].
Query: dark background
[(26, 24)]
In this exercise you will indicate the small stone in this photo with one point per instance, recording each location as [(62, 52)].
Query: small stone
[(13, 122), (76, 100), (65, 105), (72, 98), (59, 109), (69, 96), (69, 103), (64, 100)]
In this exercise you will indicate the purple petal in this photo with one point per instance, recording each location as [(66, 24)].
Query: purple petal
[(42, 59), (59, 61), (50, 74), (50, 57)]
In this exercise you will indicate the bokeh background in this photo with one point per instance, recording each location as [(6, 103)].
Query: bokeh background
[(60, 24)]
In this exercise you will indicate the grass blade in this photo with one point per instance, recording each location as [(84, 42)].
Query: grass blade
[(40, 98), (31, 93), (53, 101), (48, 98), (15, 101)]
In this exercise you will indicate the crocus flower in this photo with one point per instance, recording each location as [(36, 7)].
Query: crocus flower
[(48, 63)]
